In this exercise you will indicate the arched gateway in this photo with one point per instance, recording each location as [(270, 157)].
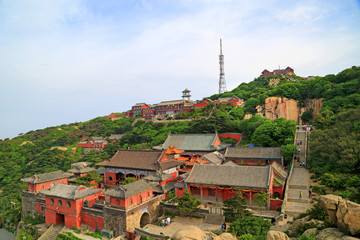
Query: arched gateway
[(145, 219)]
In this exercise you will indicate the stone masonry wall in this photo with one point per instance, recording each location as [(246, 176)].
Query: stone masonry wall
[(28, 204)]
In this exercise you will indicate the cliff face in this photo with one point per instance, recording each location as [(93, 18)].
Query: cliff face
[(277, 107)]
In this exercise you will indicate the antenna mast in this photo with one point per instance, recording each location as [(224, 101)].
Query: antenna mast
[(222, 83)]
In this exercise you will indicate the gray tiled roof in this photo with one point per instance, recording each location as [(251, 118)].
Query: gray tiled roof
[(69, 191), (158, 177), (191, 142), (81, 167), (213, 157), (254, 152), (279, 170), (165, 188), (230, 163), (248, 177), (46, 177), (129, 190), (134, 159)]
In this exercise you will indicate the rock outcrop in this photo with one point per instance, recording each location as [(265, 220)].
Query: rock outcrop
[(332, 234), (192, 232), (278, 107), (343, 213), (276, 235)]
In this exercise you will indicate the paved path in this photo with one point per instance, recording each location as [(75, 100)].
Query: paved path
[(299, 182), (180, 223)]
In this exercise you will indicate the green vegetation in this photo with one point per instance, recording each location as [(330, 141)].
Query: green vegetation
[(255, 226), (335, 154), (91, 179), (188, 204), (235, 207), (128, 180), (261, 198)]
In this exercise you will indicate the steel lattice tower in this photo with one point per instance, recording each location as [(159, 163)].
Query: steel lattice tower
[(222, 83)]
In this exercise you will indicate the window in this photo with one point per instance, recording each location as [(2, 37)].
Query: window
[(68, 204), (86, 203), (180, 189), (196, 191), (51, 201), (131, 201), (110, 178), (60, 202), (42, 208), (211, 192)]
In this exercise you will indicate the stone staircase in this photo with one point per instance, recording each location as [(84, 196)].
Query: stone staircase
[(51, 233), (216, 219), (299, 181)]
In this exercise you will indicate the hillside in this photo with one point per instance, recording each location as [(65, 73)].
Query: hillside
[(55, 148)]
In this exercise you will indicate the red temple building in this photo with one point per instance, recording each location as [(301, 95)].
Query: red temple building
[(64, 204), (254, 156), (287, 70), (136, 163), (216, 183), (46, 180), (95, 142), (234, 100)]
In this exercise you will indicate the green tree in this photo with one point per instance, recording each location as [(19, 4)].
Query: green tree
[(288, 151), (88, 179), (128, 180), (256, 226), (261, 198), (235, 207), (307, 116), (187, 203)]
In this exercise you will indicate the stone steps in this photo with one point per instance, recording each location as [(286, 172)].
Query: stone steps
[(303, 200), (306, 187)]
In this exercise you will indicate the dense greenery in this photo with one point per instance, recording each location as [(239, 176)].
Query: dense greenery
[(335, 154), (255, 226)]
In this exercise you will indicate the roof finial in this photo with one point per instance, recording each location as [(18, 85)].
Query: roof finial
[(220, 47)]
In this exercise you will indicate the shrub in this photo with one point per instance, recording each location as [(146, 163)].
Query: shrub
[(255, 226), (307, 237), (247, 237)]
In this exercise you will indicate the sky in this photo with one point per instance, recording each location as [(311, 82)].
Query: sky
[(65, 61)]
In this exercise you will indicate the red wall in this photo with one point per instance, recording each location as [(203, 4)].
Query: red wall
[(135, 200), (38, 207), (217, 142), (92, 221), (47, 185), (236, 136), (279, 190), (107, 181), (275, 204), (71, 215)]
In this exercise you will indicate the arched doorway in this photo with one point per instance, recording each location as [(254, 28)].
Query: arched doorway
[(145, 219), (277, 195)]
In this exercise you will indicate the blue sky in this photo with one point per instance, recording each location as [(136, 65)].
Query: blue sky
[(64, 61)]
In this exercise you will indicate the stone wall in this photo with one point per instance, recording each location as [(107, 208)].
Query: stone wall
[(343, 213), (28, 203), (133, 216), (114, 219)]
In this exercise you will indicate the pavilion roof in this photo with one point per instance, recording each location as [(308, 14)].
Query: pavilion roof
[(134, 159), (248, 177), (69, 191), (46, 177), (254, 152)]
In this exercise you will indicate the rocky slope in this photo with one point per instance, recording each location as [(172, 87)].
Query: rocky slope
[(280, 107)]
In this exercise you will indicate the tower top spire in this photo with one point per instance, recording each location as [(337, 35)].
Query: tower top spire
[(220, 47)]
